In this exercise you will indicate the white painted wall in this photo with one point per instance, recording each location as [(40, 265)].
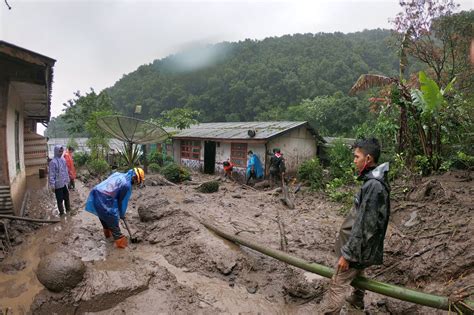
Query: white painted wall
[(17, 177), (297, 146), (14, 104), (114, 144)]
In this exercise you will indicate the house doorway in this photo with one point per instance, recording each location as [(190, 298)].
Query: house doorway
[(209, 157)]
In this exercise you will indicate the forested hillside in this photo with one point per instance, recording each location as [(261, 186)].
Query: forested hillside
[(255, 80), (276, 78)]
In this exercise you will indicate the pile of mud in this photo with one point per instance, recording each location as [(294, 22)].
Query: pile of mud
[(429, 240)]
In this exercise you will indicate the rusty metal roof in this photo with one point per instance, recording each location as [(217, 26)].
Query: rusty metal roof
[(240, 130)]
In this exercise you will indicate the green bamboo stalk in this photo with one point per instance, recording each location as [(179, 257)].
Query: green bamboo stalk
[(401, 293)]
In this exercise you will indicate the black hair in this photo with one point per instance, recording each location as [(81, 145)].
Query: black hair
[(70, 148), (368, 146), (250, 152)]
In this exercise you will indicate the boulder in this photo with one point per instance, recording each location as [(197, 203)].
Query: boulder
[(60, 270)]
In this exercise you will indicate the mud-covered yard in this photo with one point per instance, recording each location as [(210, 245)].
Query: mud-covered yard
[(181, 267)]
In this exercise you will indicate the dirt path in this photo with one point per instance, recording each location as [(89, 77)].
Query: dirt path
[(181, 267)]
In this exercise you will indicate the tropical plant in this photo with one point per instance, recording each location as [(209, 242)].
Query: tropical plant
[(130, 154), (431, 104)]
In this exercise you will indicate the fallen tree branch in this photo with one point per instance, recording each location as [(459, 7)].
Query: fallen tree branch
[(12, 217), (401, 293)]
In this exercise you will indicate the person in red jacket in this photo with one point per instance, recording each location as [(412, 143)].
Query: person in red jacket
[(70, 166), (228, 168)]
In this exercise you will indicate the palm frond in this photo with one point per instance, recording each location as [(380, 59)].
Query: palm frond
[(367, 81)]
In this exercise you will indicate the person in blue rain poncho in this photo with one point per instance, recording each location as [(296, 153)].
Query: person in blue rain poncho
[(254, 167), (109, 200)]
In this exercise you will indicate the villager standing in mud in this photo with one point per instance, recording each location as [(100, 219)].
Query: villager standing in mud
[(71, 169), (360, 241), (59, 179), (254, 167), (109, 200), (277, 167)]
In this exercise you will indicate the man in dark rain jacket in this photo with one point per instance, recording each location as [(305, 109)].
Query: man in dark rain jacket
[(360, 241)]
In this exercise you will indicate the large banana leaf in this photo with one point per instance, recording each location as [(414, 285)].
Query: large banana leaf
[(367, 81)]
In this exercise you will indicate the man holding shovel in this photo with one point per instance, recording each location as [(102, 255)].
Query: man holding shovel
[(109, 200)]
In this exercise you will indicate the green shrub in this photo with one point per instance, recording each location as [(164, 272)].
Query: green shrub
[(154, 167), (422, 165), (338, 192), (312, 172), (155, 157), (175, 173), (98, 166), (340, 159), (464, 161), (81, 158)]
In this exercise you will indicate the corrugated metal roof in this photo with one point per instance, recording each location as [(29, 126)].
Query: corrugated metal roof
[(239, 130)]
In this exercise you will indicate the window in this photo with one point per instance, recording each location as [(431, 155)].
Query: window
[(190, 149), (17, 140), (238, 154)]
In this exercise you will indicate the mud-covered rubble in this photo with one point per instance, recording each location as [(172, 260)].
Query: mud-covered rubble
[(181, 267)]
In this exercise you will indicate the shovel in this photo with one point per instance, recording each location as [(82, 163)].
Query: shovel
[(133, 239)]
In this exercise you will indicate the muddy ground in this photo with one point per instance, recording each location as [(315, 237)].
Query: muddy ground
[(181, 267)]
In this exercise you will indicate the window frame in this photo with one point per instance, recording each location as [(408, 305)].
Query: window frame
[(187, 149), (239, 160)]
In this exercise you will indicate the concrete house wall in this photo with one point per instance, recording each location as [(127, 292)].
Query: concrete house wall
[(17, 177), (297, 146)]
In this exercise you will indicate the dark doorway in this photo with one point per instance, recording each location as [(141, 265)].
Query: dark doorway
[(209, 157)]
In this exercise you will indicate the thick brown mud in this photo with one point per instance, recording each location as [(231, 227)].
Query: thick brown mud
[(181, 267)]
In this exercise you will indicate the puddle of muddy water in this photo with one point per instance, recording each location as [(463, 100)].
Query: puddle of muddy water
[(18, 290)]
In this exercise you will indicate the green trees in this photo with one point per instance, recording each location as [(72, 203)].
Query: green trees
[(256, 80)]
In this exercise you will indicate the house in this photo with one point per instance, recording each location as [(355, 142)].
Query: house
[(25, 99), (205, 146), (81, 145)]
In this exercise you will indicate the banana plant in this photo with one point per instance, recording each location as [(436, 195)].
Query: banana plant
[(430, 101)]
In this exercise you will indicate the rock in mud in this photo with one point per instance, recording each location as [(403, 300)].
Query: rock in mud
[(104, 288), (226, 266), (262, 184), (60, 270), (208, 187), (153, 210)]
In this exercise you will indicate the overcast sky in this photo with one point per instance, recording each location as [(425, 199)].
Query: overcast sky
[(95, 42)]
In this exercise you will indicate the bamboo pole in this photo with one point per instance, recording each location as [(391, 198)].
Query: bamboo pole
[(12, 217), (401, 293)]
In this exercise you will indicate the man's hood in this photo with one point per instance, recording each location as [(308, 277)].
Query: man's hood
[(57, 147), (379, 172)]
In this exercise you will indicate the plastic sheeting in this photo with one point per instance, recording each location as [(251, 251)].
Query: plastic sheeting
[(109, 199)]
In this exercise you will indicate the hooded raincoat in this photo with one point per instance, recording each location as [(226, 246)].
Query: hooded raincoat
[(70, 164), (109, 199), (58, 173), (362, 234), (254, 162)]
